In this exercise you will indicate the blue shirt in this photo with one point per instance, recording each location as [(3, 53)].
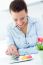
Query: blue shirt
[(22, 41)]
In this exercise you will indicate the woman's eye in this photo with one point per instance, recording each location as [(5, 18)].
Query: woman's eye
[(15, 19)]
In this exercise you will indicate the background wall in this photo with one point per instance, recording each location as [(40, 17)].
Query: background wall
[(4, 4)]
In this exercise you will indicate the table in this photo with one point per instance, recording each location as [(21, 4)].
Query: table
[(5, 60)]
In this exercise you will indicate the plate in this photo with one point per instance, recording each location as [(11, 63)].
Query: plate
[(21, 59)]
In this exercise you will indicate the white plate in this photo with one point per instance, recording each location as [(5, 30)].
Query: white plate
[(17, 60)]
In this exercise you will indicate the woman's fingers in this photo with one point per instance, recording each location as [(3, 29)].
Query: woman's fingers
[(12, 51)]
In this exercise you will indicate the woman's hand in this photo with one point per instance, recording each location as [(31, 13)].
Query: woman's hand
[(12, 50)]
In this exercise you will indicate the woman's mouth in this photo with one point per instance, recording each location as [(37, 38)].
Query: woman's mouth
[(20, 25)]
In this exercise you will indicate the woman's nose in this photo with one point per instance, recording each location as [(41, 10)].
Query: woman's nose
[(19, 22)]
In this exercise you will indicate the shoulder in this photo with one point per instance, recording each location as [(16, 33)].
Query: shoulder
[(33, 21)]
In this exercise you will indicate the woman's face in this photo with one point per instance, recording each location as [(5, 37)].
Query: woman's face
[(20, 18)]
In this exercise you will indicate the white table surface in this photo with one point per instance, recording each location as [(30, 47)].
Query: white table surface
[(6, 60)]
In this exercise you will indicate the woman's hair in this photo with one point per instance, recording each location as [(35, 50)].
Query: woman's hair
[(18, 5)]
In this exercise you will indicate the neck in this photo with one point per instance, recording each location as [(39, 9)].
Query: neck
[(24, 30)]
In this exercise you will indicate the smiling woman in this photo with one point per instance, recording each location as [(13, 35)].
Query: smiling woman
[(35, 10)]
